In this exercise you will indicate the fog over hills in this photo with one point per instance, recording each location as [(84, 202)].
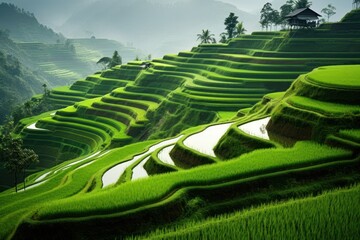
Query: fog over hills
[(342, 6), (156, 26)]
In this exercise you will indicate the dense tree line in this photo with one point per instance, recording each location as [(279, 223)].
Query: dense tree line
[(15, 158), (16, 85), (271, 17), (23, 25), (233, 29)]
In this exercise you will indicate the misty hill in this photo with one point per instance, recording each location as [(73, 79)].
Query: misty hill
[(24, 27), (52, 13), (58, 60), (32, 54), (94, 48), (17, 84), (291, 160), (157, 26)]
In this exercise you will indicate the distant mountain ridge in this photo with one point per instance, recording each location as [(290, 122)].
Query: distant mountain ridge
[(24, 27), (17, 82), (42, 57), (151, 25)]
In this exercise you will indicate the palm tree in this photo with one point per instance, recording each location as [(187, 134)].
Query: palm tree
[(206, 37), (239, 30), (356, 4), (302, 4)]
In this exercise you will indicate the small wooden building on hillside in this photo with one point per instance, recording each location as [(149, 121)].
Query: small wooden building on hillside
[(303, 17)]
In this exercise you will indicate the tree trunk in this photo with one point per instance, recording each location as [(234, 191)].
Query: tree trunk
[(24, 179), (15, 179)]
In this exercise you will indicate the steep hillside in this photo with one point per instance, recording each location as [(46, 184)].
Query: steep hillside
[(318, 104), (157, 23), (92, 49), (102, 191), (242, 133), (128, 103), (58, 61), (17, 84), (24, 27)]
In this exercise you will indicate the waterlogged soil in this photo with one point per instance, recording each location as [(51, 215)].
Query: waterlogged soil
[(139, 171), (112, 175), (33, 127), (256, 128), (164, 155), (205, 141)]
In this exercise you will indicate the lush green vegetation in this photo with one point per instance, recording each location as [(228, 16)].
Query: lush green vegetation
[(193, 86), (314, 108), (24, 27), (337, 76), (17, 83), (330, 215), (141, 192), (31, 55), (228, 174)]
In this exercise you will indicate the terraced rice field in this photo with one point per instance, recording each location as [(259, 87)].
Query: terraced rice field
[(112, 175), (57, 61), (249, 175), (290, 161), (208, 79), (205, 141), (256, 128), (316, 102)]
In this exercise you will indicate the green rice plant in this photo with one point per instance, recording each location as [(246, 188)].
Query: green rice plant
[(121, 93), (64, 184), (330, 215), (235, 143), (337, 76), (325, 108), (352, 134), (155, 166), (151, 190)]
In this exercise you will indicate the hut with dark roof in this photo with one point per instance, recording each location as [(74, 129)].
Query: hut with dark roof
[(303, 17)]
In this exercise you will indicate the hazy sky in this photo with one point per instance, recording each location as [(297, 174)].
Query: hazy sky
[(156, 29), (253, 6), (55, 12)]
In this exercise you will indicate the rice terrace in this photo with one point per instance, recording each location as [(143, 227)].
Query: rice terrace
[(253, 136)]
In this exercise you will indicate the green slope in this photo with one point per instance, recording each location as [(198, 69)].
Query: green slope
[(330, 215), (69, 199), (257, 157), (24, 27), (188, 89)]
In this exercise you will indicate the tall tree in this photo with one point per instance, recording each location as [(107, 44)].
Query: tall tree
[(108, 62), (265, 18), (15, 157), (28, 157), (230, 25), (46, 90), (285, 10), (329, 11), (274, 18), (240, 29), (206, 37), (223, 38), (115, 60), (356, 4), (302, 4)]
